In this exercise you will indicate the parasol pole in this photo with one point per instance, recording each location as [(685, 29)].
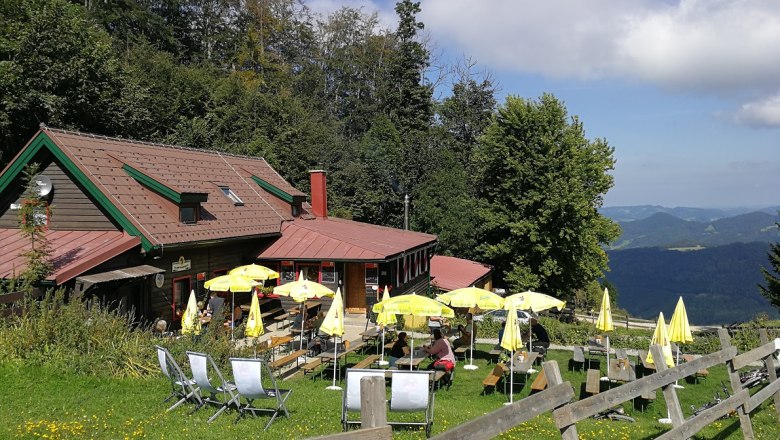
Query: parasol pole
[(303, 321), (382, 348), (606, 378), (232, 313), (471, 365), (411, 354), (335, 364), (678, 363), (511, 378)]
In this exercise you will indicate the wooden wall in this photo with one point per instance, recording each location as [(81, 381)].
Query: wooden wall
[(72, 208)]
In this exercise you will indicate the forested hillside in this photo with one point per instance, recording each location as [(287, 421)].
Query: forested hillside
[(270, 78), (719, 285), (667, 231)]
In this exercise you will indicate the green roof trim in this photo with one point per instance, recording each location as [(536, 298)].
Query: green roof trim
[(43, 140), (289, 198), (153, 184)]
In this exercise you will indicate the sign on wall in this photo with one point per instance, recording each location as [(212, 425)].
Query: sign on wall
[(181, 265)]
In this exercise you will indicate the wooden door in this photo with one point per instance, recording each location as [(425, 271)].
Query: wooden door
[(355, 295)]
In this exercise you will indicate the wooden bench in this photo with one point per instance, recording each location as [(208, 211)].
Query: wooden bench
[(367, 362), (593, 381), (462, 350), (540, 382), (703, 373), (310, 366), (287, 360), (494, 377), (577, 358), (495, 353), (271, 312), (646, 366)]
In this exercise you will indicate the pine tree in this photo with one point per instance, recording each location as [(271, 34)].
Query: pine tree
[(32, 225), (772, 290)]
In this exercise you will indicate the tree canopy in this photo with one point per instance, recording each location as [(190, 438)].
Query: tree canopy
[(772, 276), (516, 187)]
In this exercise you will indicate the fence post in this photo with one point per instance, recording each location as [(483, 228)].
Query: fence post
[(670, 395), (736, 385), (373, 409), (553, 375), (770, 367)]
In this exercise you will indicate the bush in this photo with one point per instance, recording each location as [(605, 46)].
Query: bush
[(86, 337)]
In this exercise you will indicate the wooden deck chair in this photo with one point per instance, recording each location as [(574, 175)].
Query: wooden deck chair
[(406, 395), (201, 363), (350, 400), (248, 375), (181, 387)]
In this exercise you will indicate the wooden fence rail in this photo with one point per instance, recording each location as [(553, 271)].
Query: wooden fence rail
[(558, 397)]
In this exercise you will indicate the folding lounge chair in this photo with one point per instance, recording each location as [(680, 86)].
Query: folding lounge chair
[(350, 402), (200, 364), (407, 395), (182, 388), (248, 374)]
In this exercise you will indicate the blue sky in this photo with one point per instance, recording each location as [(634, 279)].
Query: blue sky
[(687, 92)]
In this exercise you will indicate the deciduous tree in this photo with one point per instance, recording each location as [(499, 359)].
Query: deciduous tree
[(540, 183)]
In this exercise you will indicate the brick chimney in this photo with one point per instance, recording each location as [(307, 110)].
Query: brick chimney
[(319, 193)]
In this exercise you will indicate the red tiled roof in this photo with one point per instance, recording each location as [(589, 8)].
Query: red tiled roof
[(73, 252), (450, 273), (186, 170), (338, 239)]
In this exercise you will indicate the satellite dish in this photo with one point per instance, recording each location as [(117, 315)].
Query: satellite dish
[(44, 185)]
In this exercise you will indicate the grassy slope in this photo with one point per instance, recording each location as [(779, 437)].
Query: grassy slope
[(39, 402)]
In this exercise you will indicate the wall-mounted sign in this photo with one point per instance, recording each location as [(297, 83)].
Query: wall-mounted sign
[(159, 280), (181, 265), (201, 276)]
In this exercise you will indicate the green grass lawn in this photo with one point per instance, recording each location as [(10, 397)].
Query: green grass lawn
[(41, 403)]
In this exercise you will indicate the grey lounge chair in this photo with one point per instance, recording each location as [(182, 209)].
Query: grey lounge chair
[(350, 401), (411, 392), (181, 387), (201, 363), (248, 375)]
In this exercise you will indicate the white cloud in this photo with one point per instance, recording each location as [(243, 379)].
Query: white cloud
[(715, 45), (761, 113)]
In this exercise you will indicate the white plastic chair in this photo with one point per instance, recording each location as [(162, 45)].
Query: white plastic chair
[(200, 363), (248, 375), (181, 387), (350, 401), (411, 391)]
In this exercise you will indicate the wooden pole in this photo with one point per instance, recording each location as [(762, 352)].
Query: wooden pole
[(553, 375), (736, 386), (670, 395), (373, 410)]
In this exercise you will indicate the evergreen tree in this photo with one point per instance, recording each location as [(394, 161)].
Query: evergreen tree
[(772, 276), (540, 183), (33, 217)]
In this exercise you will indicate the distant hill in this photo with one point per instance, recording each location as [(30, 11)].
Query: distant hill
[(639, 212), (667, 231), (719, 285)]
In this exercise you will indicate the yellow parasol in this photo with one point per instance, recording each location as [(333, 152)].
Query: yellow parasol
[(231, 283), (604, 323), (383, 320), (680, 329), (333, 324), (511, 341), (254, 323), (472, 297), (300, 291), (190, 321), (660, 337), (255, 272), (533, 301), (413, 304)]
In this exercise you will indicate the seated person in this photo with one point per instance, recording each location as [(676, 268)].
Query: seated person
[(214, 306), (442, 353), (465, 333), (541, 338), (238, 316), (399, 350)]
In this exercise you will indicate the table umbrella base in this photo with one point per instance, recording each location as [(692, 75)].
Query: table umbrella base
[(665, 421), (508, 403), (470, 367), (531, 371), (678, 386), (382, 363), (605, 379), (334, 387)]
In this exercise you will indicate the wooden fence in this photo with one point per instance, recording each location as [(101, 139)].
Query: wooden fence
[(566, 413), (12, 309)]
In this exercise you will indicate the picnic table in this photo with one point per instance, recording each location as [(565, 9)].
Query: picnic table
[(596, 347), (621, 370), (409, 362), (331, 357)]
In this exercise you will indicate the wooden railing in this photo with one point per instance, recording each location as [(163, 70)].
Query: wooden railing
[(558, 398), (10, 298)]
